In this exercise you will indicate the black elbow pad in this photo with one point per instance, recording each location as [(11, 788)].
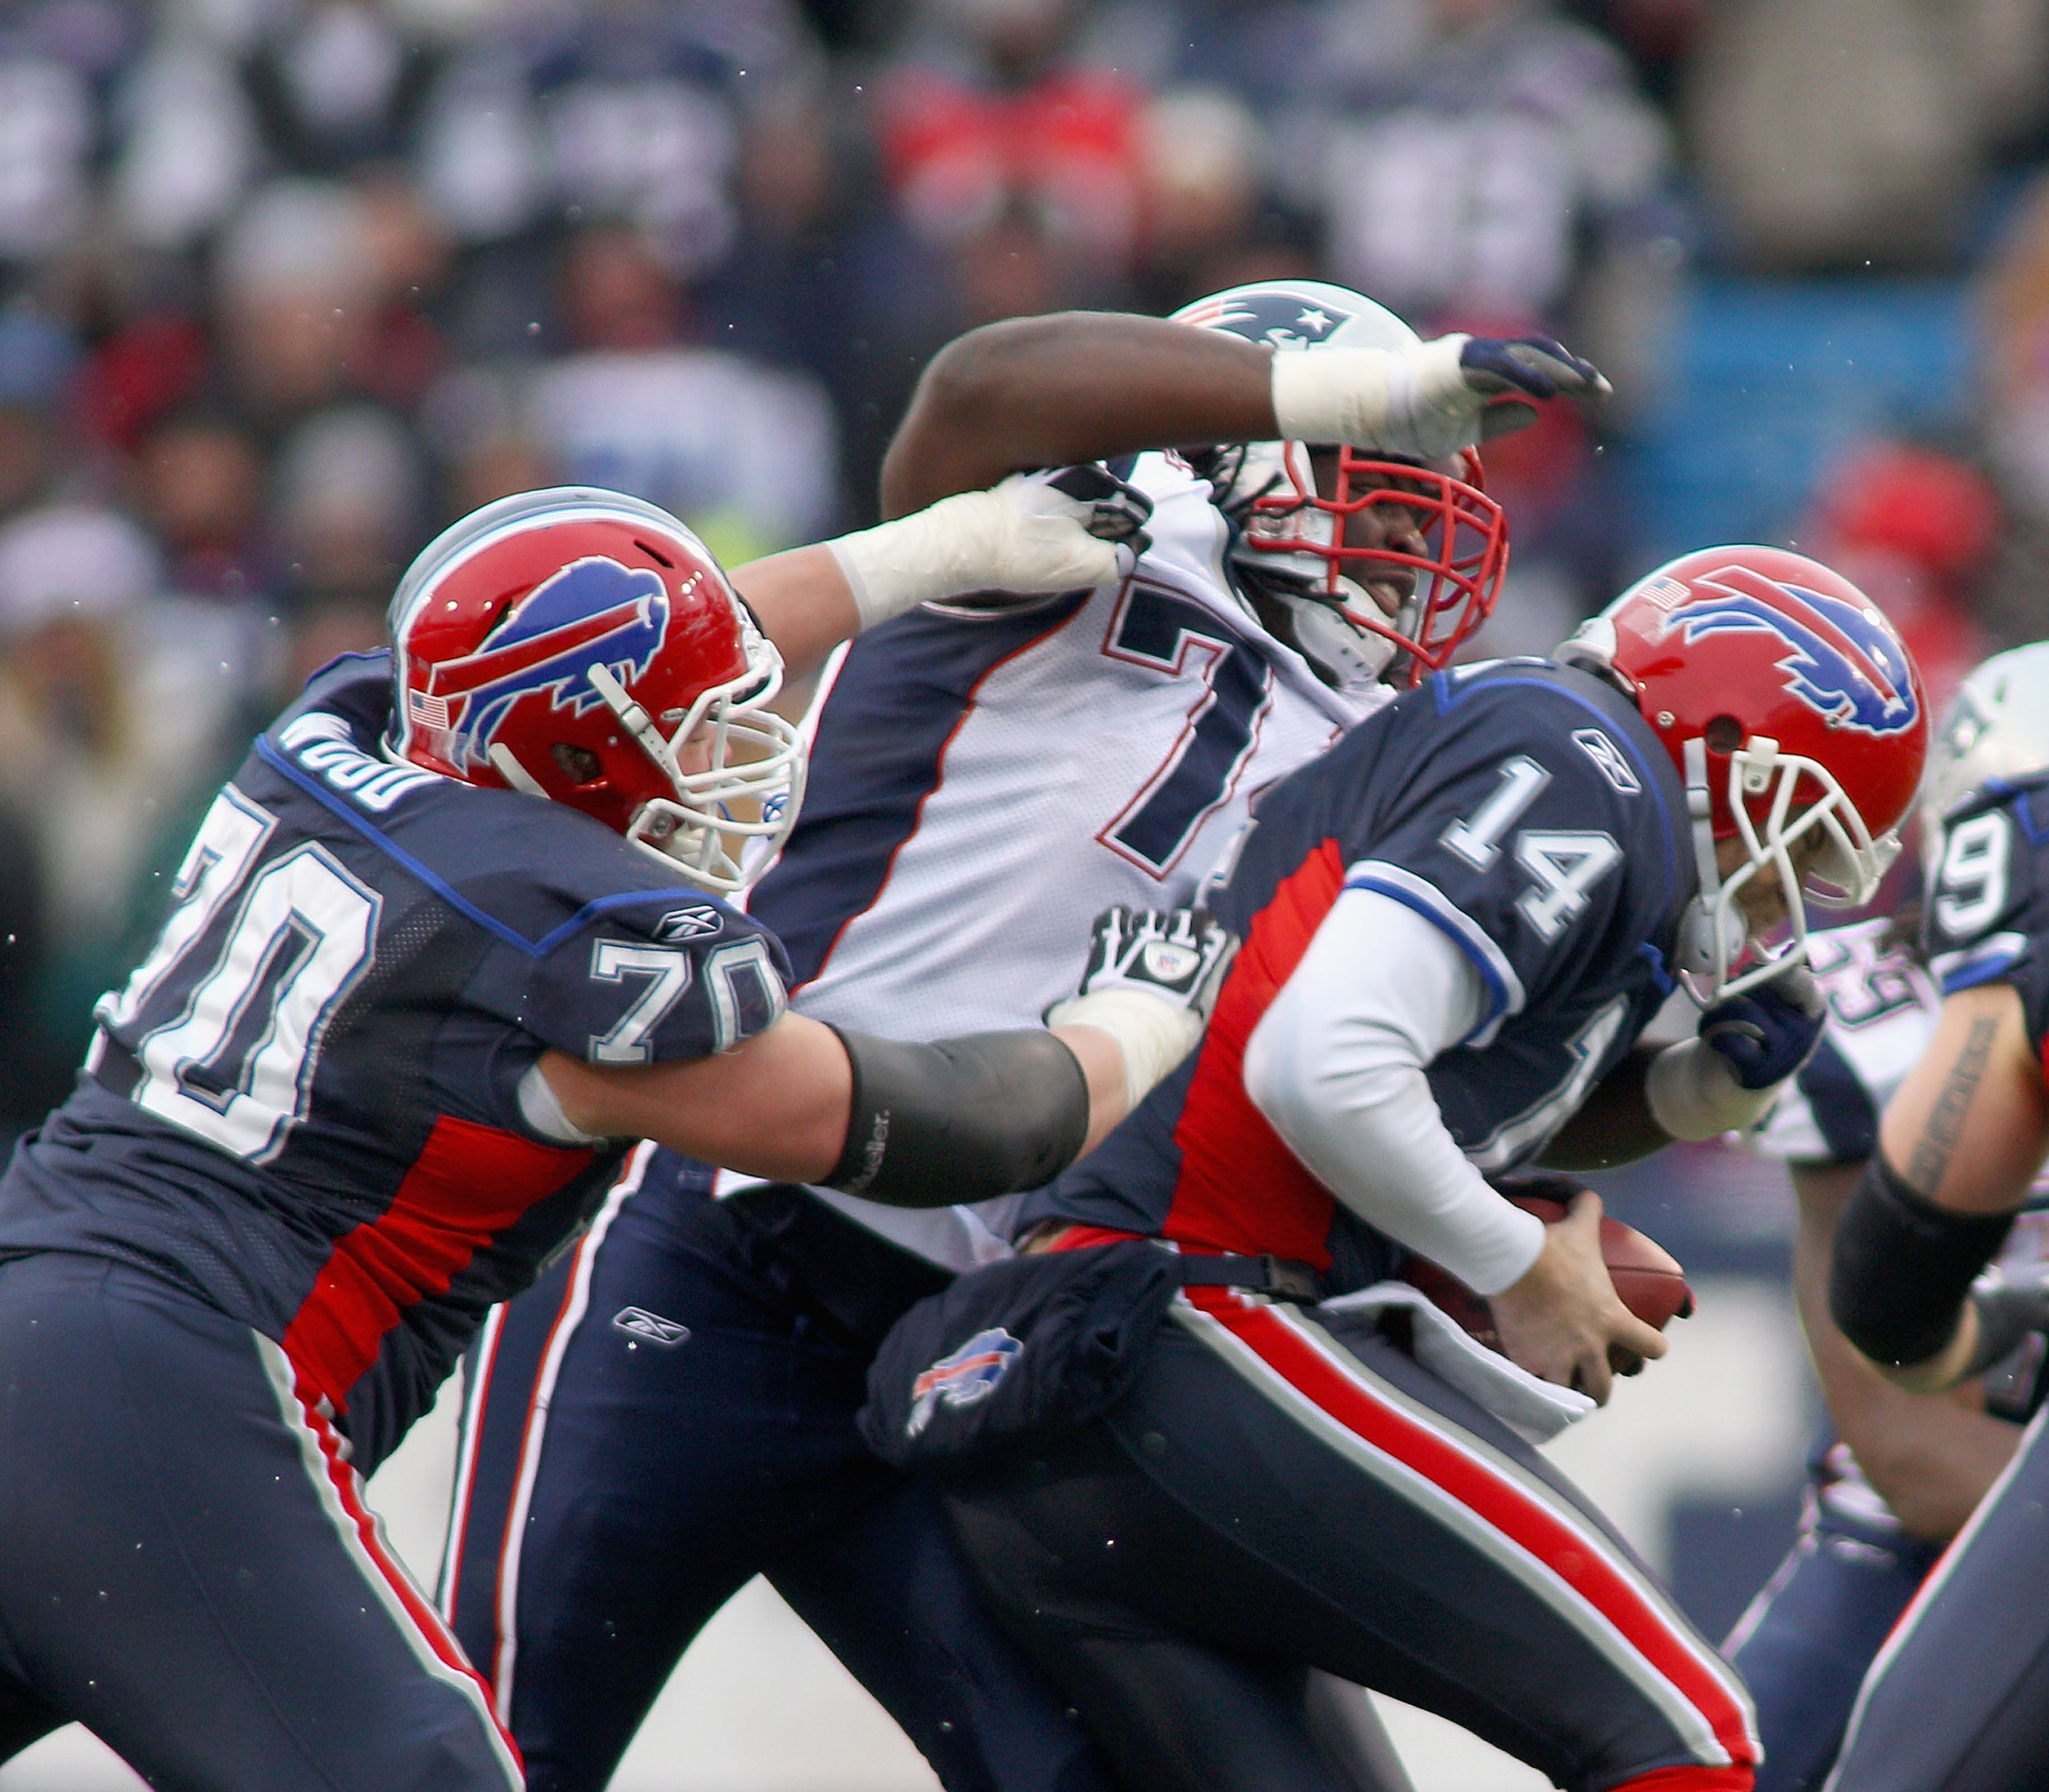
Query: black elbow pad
[(1902, 1266), (960, 1119)]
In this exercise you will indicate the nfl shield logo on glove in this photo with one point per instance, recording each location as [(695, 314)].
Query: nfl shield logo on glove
[(962, 1377)]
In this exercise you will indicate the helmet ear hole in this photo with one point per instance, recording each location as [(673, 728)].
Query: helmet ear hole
[(579, 764), (1724, 734)]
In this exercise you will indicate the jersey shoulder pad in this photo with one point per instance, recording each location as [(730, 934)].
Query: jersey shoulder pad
[(1988, 908), (1882, 1006), (647, 976), (1524, 812)]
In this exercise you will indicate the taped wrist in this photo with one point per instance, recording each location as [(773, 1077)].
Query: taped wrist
[(1903, 1266), (973, 541), (1154, 1033), (1370, 398), (1693, 1093), (959, 1120)]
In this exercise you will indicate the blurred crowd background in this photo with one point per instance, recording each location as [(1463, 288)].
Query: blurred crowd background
[(285, 285)]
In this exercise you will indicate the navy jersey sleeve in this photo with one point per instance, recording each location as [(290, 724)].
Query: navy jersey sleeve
[(653, 979), (1987, 919), (1522, 818)]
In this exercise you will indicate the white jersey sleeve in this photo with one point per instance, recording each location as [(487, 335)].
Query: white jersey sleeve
[(985, 782)]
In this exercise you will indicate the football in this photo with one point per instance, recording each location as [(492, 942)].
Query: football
[(1645, 1275)]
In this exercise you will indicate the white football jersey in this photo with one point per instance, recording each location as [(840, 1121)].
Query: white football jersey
[(985, 783), (1882, 1010)]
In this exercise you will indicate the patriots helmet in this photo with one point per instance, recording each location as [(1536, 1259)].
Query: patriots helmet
[(1795, 717), (1288, 539), (1995, 731), (583, 646)]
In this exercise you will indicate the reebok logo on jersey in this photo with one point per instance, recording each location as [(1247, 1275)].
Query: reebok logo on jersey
[(1608, 756), (637, 1322), (963, 1377), (696, 922)]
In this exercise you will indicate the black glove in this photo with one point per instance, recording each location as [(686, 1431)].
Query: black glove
[(1534, 365), (1768, 1032)]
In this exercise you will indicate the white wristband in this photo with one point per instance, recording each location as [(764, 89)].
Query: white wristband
[(1412, 400), (542, 1109), (1154, 1033), (975, 541), (1693, 1093)]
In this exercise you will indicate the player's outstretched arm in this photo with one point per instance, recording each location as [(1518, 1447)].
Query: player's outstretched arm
[(1959, 1144), (918, 1126), (1029, 536), (1931, 1456), (1088, 386)]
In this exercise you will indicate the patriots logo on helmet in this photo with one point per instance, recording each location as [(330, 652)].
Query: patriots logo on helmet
[(1280, 320), (1846, 668), (593, 612), (963, 1377)]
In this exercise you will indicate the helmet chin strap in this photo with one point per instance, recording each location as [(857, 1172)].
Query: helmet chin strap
[(1356, 656), (513, 772), (1707, 940)]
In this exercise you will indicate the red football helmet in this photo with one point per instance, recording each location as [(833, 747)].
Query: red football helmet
[(1795, 716), (1291, 531), (583, 646)]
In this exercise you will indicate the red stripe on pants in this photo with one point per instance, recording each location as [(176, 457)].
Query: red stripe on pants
[(348, 1489), (1506, 1505)]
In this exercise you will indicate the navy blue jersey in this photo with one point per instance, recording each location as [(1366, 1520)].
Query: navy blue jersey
[(1987, 919), (304, 1107), (1524, 808)]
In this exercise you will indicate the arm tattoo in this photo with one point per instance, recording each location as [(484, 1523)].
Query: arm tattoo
[(1946, 1124)]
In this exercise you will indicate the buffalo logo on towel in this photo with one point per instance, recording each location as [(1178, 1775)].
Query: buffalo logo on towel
[(962, 1377)]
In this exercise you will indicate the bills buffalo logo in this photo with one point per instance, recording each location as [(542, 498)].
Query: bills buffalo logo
[(1839, 661), (593, 612), (1279, 319), (960, 1379)]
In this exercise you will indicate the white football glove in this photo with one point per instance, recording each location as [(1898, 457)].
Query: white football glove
[(1428, 401), (1071, 529), (1151, 979)]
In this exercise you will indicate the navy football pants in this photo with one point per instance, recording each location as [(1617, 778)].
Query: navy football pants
[(187, 1567), (651, 1425), (1804, 1644), (1958, 1698), (1284, 1489)]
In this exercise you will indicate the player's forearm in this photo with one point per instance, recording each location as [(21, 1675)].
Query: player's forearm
[(1969, 1127), (1336, 1065), (1960, 1141), (1615, 1125), (1103, 1066), (1076, 386), (803, 603), (911, 1124), (1930, 1455), (775, 1106)]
